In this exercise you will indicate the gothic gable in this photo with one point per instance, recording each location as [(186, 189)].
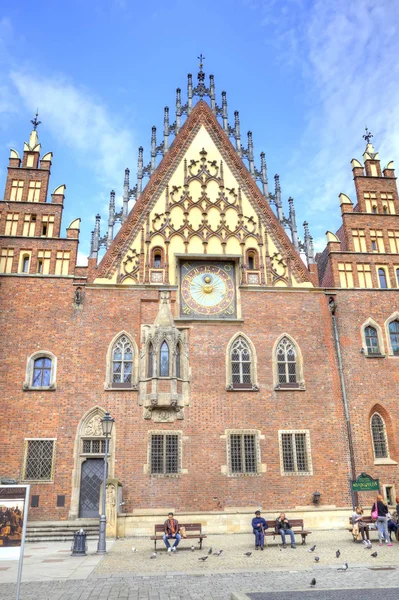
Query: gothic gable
[(201, 200)]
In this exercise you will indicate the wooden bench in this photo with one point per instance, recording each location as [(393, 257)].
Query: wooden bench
[(193, 531), (296, 526), (372, 527)]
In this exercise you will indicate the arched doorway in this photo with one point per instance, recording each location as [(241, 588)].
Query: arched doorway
[(88, 472)]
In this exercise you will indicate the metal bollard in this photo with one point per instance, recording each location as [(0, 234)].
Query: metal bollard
[(79, 545)]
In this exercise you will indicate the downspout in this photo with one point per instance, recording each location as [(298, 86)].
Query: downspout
[(333, 307)]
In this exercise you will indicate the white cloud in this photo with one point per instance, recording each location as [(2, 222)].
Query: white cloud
[(80, 121)]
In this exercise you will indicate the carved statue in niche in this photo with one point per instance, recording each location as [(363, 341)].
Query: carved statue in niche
[(110, 503)]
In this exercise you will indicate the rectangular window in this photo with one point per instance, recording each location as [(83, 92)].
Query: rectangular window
[(39, 459), (62, 263), (34, 191), (364, 276), (43, 261), (47, 226), (393, 237), (6, 258), (359, 240), (29, 225), (295, 452), (370, 199), (16, 190), (11, 224), (243, 453), (164, 450), (345, 275), (377, 240), (388, 202), (93, 447)]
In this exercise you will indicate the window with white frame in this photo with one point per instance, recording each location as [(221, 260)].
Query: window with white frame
[(17, 187), (295, 456), (394, 336), (122, 363), (379, 436), (286, 362), (371, 337), (40, 372), (165, 455), (240, 364), (39, 460)]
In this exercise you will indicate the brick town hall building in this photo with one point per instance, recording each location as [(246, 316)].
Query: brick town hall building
[(241, 371)]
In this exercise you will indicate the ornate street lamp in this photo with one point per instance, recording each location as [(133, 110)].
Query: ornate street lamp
[(106, 423)]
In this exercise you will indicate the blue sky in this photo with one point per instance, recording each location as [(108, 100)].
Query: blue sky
[(306, 76)]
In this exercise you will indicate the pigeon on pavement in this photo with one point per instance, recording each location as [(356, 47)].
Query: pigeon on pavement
[(247, 553), (218, 553), (316, 558), (153, 555), (210, 551), (313, 582), (374, 555), (338, 554), (344, 568), (203, 558), (192, 549), (313, 548), (134, 549)]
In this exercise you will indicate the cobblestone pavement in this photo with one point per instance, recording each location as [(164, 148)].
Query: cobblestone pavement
[(127, 575)]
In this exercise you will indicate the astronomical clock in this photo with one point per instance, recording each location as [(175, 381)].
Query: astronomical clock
[(208, 290)]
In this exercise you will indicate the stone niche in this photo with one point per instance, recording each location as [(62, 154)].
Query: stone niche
[(164, 371)]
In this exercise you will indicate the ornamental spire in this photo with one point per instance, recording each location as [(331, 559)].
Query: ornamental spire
[(35, 122)]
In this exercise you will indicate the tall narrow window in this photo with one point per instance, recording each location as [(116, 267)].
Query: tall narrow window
[(43, 261), (178, 357), (62, 263), (41, 372), (150, 361), (164, 450), (16, 190), (29, 225), (379, 436), (371, 340), (251, 261), (25, 263), (345, 275), (122, 363), (34, 191), (243, 454), (11, 224), (394, 336), (382, 277), (157, 260), (286, 362), (6, 258), (397, 277), (164, 360), (295, 452), (241, 364)]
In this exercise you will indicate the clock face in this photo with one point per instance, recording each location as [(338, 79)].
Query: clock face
[(208, 290)]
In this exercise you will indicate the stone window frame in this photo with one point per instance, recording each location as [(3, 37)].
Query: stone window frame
[(25, 460), (165, 432), (300, 380), (260, 467), (370, 322), (108, 384), (393, 317), (254, 386), (393, 494), (379, 458), (30, 365), (387, 278), (307, 473)]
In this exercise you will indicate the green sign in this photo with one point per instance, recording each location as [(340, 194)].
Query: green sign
[(365, 483)]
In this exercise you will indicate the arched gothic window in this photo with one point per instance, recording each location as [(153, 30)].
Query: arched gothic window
[(164, 360), (241, 364), (286, 362), (40, 371), (394, 336), (379, 436), (122, 362), (150, 360), (371, 336), (178, 366)]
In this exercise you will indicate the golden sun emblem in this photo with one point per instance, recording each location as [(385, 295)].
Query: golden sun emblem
[(207, 288)]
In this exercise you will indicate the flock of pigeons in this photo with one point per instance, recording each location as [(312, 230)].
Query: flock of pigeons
[(344, 567)]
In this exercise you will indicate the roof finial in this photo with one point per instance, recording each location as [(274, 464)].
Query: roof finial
[(201, 58), (34, 121), (367, 136)]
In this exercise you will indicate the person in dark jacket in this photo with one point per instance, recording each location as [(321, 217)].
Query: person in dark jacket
[(171, 528), (382, 520), (283, 527), (259, 526)]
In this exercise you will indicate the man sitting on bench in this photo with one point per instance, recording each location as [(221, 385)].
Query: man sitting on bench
[(283, 527), (171, 532)]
